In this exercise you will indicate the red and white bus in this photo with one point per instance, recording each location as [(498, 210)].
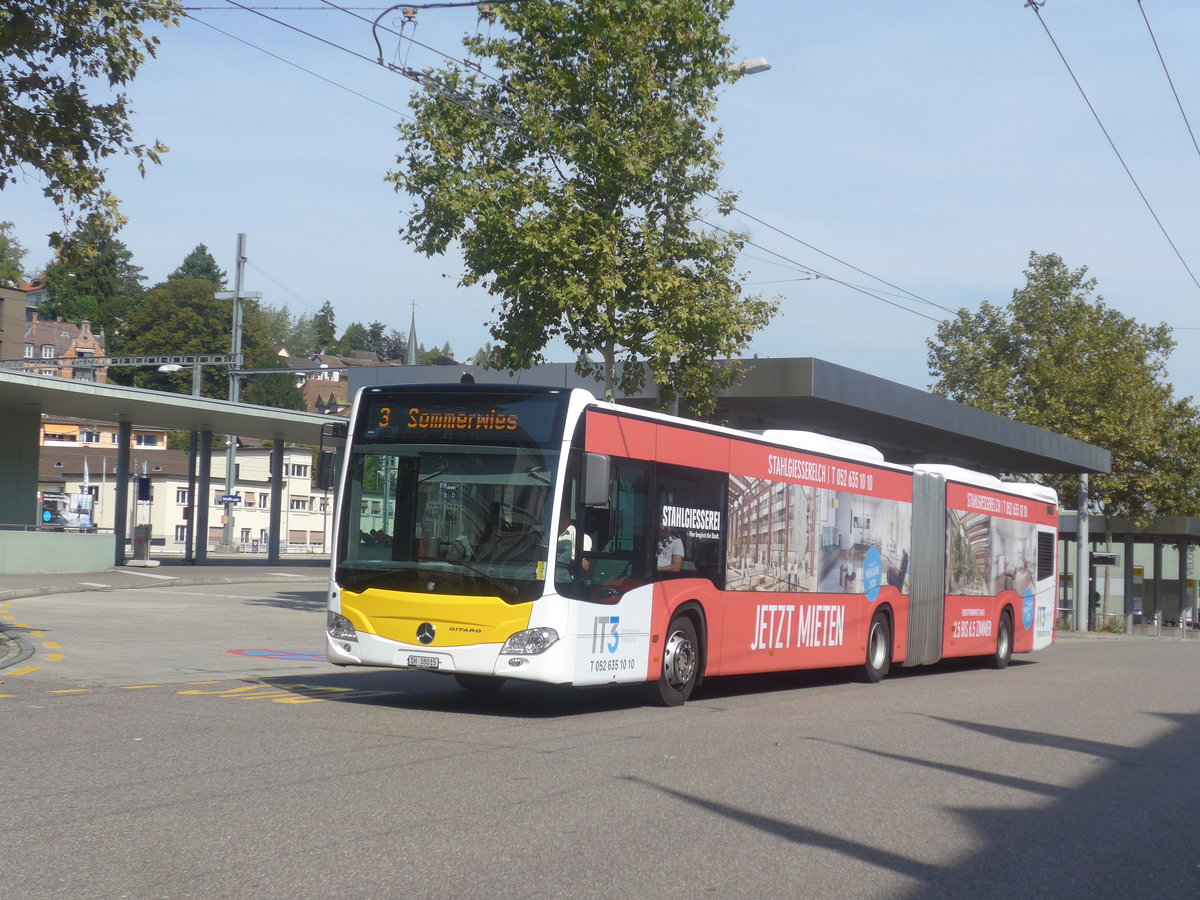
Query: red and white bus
[(497, 532)]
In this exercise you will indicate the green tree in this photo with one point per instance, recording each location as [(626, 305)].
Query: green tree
[(436, 356), (274, 390), (1057, 357), (181, 316), (55, 55), (574, 183), (302, 341), (93, 278), (200, 264), (12, 256), (355, 337), (279, 325), (324, 325), (394, 346)]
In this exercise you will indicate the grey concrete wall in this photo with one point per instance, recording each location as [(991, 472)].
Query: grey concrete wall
[(19, 467), (50, 552)]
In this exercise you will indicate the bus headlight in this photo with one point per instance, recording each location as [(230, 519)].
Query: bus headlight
[(531, 642), (340, 629)]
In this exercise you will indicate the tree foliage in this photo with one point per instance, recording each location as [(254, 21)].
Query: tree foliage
[(181, 316), (12, 257), (1057, 357), (200, 264), (55, 55), (574, 182), (324, 326), (93, 278)]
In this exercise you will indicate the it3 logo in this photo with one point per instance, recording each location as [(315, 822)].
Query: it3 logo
[(605, 627)]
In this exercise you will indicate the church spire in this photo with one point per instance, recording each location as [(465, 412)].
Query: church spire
[(410, 355)]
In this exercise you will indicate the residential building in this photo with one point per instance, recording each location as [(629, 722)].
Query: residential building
[(70, 472), (63, 349)]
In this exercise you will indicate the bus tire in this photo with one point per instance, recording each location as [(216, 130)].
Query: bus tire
[(680, 664), (1004, 642), (479, 684), (879, 649)]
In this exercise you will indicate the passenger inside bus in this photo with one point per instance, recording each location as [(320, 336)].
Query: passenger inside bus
[(670, 551)]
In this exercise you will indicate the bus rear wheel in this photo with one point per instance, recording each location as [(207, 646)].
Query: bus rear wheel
[(1004, 642), (879, 649), (680, 664)]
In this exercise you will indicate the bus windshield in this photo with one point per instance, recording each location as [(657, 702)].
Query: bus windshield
[(450, 495)]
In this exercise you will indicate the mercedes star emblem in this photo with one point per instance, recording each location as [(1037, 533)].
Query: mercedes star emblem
[(425, 632)]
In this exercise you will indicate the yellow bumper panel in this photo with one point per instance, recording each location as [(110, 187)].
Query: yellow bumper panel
[(457, 621)]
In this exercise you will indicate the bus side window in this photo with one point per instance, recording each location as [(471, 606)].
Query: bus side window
[(622, 533)]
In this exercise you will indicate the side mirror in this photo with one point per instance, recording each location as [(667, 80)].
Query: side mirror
[(596, 469)]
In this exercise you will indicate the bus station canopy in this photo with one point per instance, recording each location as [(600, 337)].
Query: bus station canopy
[(49, 395), (907, 425)]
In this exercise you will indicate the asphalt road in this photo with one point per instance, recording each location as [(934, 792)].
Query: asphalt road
[(142, 758)]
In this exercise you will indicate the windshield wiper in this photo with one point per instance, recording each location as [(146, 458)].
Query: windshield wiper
[(503, 586), (365, 577)]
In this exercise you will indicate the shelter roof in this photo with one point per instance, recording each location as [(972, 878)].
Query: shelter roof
[(118, 403)]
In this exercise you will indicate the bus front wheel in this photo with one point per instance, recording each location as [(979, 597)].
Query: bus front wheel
[(879, 649), (680, 664)]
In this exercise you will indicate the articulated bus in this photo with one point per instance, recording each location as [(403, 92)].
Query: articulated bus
[(496, 532)]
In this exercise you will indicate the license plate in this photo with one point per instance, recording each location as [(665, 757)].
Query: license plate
[(423, 662)]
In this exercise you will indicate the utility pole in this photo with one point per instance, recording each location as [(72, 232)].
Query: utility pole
[(231, 440)]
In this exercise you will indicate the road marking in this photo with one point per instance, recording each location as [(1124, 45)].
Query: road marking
[(53, 645), (38, 634), (148, 575), (300, 655), (53, 657), (138, 687), (293, 575), (94, 584), (24, 671), (72, 691)]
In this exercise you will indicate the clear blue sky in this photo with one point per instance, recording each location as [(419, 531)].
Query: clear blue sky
[(933, 145)]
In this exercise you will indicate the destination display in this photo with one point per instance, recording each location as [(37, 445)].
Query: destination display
[(403, 417)]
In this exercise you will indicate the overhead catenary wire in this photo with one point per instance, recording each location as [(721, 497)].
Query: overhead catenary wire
[(296, 65), (504, 123), (446, 56), (1036, 6), (1170, 80)]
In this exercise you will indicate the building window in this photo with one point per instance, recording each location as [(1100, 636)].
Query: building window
[(262, 501), (299, 471), (245, 535), (146, 440), (301, 503), (180, 534), (181, 495), (248, 500), (29, 351), (217, 495), (47, 351), (89, 437)]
